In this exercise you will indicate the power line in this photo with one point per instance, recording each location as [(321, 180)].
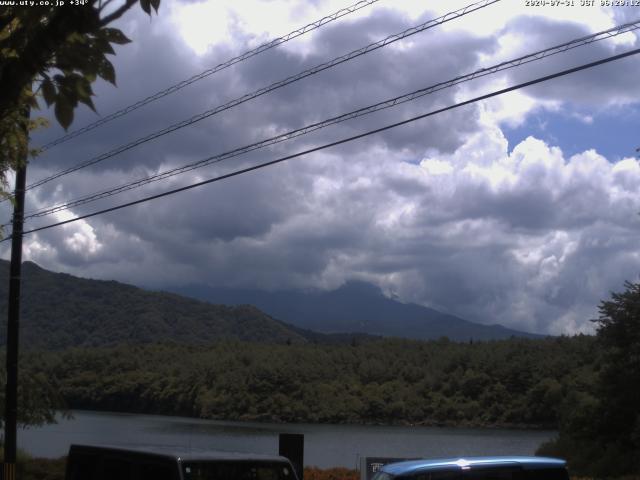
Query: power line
[(539, 55), (282, 83), (179, 86), (339, 142), (233, 103)]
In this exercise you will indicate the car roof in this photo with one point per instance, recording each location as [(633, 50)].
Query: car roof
[(414, 466), (183, 453)]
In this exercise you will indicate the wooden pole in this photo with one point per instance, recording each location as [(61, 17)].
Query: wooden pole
[(13, 322)]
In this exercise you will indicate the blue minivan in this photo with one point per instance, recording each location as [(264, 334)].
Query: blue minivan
[(476, 468)]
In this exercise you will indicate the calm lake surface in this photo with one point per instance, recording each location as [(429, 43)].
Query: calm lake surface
[(325, 445)]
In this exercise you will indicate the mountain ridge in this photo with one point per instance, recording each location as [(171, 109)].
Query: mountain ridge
[(59, 311), (355, 307)]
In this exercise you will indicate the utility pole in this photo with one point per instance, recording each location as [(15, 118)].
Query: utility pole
[(13, 321)]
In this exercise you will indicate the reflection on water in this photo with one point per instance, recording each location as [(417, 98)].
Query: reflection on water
[(194, 426), (325, 445)]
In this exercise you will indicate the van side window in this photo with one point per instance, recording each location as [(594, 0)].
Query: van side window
[(547, 474), (473, 474), (85, 467), (157, 471), (114, 467), (213, 470), (500, 473)]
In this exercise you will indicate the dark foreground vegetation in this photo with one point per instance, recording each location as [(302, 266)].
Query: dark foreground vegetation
[(601, 435), (30, 468)]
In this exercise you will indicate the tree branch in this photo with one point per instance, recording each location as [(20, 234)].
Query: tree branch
[(118, 13), (102, 5)]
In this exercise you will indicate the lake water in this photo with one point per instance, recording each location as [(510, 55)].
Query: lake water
[(324, 445)]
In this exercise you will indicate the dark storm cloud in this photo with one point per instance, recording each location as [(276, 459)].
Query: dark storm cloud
[(329, 93), (375, 77), (349, 86)]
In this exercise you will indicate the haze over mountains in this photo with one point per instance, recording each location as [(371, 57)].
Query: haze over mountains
[(355, 307), (61, 311)]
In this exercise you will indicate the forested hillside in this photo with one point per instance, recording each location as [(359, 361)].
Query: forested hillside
[(60, 311), (499, 383)]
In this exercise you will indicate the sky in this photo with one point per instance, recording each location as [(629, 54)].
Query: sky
[(522, 209)]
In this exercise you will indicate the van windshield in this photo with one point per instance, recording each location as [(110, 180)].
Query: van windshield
[(216, 470)]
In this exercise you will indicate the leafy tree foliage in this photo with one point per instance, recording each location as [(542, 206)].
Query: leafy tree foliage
[(57, 52), (502, 383), (38, 396), (619, 385), (600, 435)]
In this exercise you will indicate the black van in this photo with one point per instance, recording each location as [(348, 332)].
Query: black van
[(168, 463)]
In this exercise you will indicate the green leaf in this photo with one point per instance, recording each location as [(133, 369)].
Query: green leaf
[(48, 91), (88, 102), (72, 56), (84, 92), (91, 64), (38, 122), (103, 46), (76, 37), (146, 6), (106, 71), (70, 88), (83, 87), (64, 112), (114, 35), (34, 152)]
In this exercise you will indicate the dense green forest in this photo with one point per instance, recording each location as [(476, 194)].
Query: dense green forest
[(514, 382)]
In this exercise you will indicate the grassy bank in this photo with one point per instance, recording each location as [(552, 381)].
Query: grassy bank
[(29, 468)]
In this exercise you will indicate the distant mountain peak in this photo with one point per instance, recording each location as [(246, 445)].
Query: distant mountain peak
[(355, 306), (359, 287)]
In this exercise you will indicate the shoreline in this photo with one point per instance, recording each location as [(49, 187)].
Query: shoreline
[(274, 420)]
